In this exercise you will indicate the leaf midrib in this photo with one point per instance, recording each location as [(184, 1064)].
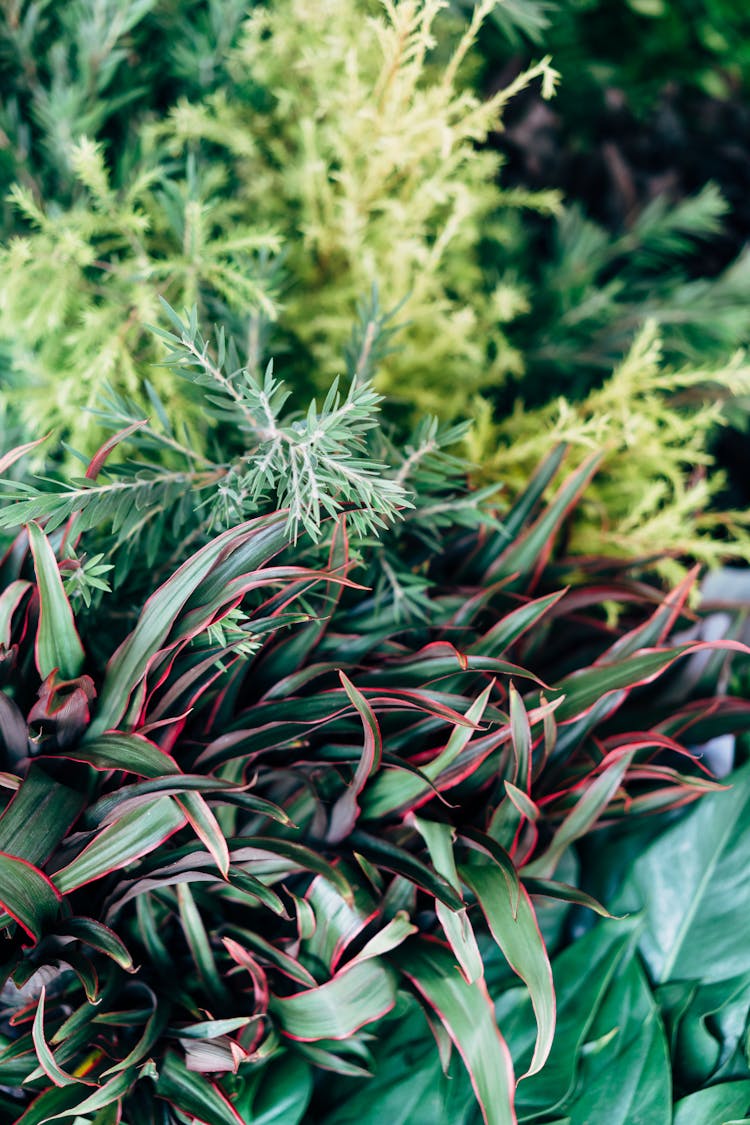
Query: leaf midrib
[(670, 960)]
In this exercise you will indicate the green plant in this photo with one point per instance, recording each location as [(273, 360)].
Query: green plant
[(659, 1034), (275, 206), (374, 806), (376, 135), (658, 488)]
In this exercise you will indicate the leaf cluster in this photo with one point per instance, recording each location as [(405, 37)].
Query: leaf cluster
[(270, 817)]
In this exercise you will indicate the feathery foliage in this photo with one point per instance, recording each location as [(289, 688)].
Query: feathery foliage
[(274, 207)]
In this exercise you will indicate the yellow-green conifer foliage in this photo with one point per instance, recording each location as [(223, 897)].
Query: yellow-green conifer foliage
[(367, 160), (331, 146)]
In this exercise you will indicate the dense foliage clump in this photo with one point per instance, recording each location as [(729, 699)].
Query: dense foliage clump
[(360, 699), (278, 815)]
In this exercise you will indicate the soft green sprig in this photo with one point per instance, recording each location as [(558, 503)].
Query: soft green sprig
[(314, 465)]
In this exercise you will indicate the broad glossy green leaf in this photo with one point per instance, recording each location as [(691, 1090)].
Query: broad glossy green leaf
[(135, 835), (716, 1105), (194, 1094), (708, 1026), (277, 1095), (27, 895), (624, 1076), (517, 934), (692, 885), (593, 959), (465, 1011), (356, 996), (58, 645), (408, 1086)]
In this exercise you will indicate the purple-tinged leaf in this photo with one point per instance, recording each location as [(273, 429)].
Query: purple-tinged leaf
[(58, 646), (466, 1012), (520, 734), (13, 455), (46, 1059), (503, 634), (212, 1029), (359, 994), (28, 895), (390, 937), (10, 600), (206, 827), (97, 462), (200, 945), (486, 845), (528, 554), (513, 522), (585, 688), (562, 892), (523, 948), (106, 1095), (14, 732), (420, 669), (109, 807), (100, 937), (51, 1103), (346, 810), (336, 922), (288, 965), (261, 538), (152, 1032), (193, 1094), (136, 754), (456, 925), (393, 858), (246, 961), (587, 810), (253, 849), (394, 790), (522, 802), (135, 835), (656, 629)]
